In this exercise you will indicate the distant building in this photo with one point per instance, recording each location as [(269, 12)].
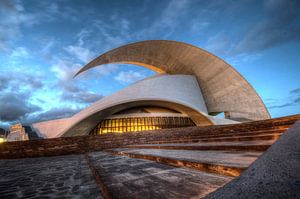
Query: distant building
[(17, 133), (2, 135), (3, 132)]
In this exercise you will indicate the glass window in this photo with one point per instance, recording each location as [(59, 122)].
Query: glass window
[(140, 124)]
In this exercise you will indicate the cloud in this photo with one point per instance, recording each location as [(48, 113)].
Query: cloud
[(112, 33), (81, 53), (219, 44), (15, 81), (14, 17), (280, 25), (282, 105), (20, 52), (9, 23), (126, 77), (15, 106), (293, 100), (297, 100), (82, 35), (168, 20), (55, 113), (107, 69), (79, 95), (295, 91), (64, 70)]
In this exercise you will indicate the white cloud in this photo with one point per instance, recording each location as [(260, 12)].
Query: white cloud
[(64, 70), (219, 44), (126, 77), (107, 69), (81, 53), (169, 19), (20, 52), (14, 17), (82, 35)]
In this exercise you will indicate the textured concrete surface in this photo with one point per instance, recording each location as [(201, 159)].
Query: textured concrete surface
[(226, 158), (276, 174), (136, 178), (51, 177), (223, 88)]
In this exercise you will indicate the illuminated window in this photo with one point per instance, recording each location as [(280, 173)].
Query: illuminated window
[(140, 124)]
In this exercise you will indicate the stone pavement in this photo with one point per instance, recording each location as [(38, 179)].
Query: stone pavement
[(126, 177), (123, 177), (47, 177)]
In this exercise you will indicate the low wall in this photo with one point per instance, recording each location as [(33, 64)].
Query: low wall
[(82, 144)]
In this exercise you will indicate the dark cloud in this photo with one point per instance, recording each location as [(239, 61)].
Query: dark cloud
[(3, 82), (16, 106), (297, 100), (14, 81), (279, 25), (79, 95), (295, 91), (294, 100), (56, 113), (282, 106)]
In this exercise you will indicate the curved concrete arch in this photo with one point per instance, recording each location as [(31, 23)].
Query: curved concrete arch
[(182, 90), (179, 92), (223, 88), (86, 124)]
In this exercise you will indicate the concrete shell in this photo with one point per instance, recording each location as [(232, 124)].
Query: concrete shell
[(223, 88), (178, 92)]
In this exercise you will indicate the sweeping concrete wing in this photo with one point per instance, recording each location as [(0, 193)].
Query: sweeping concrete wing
[(223, 88), (176, 92)]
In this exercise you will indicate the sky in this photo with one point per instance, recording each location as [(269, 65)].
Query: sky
[(44, 43)]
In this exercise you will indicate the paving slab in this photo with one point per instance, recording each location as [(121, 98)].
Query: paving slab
[(226, 158), (47, 177), (137, 178)]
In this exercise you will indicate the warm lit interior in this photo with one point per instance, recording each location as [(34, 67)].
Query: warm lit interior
[(132, 124)]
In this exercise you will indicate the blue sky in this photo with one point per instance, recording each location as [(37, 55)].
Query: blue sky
[(44, 43)]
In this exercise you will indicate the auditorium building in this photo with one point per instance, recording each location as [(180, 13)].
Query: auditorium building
[(190, 88)]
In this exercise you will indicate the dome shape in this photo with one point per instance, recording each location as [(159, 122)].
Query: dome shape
[(223, 88)]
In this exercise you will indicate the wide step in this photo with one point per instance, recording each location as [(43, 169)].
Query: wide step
[(261, 145), (228, 163), (126, 177)]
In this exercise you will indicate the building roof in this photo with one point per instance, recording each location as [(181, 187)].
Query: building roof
[(223, 88)]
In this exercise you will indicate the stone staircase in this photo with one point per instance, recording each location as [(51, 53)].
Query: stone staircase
[(220, 150), (186, 162)]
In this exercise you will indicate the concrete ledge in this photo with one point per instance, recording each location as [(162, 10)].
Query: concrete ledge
[(201, 166), (258, 147)]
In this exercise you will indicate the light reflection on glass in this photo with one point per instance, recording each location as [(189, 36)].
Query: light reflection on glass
[(121, 125)]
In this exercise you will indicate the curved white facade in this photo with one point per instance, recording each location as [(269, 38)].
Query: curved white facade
[(179, 92)]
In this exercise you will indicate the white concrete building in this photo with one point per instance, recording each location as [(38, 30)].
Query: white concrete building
[(191, 87)]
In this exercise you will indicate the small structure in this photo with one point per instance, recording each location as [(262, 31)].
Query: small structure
[(2, 135), (17, 133)]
